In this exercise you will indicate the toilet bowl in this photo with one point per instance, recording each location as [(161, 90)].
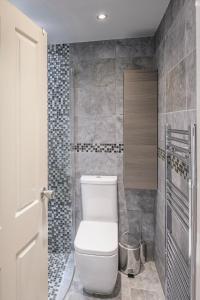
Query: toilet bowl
[(96, 254), (96, 242)]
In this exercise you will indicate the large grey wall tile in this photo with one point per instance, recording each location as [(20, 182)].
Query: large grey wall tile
[(160, 58), (78, 219), (122, 63), (78, 203), (142, 200), (176, 88), (104, 101), (126, 63), (104, 72), (161, 130), (161, 270), (95, 101), (160, 212), (81, 52), (90, 128), (120, 166), (135, 223), (99, 72), (161, 176), (192, 117), (123, 222), (190, 26), (175, 43), (104, 49), (96, 163), (84, 73), (160, 33), (143, 63), (119, 99), (178, 119), (135, 47), (191, 80), (90, 51), (83, 132), (162, 94), (119, 129), (174, 11), (148, 224)]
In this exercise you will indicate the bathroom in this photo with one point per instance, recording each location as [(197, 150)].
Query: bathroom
[(117, 150)]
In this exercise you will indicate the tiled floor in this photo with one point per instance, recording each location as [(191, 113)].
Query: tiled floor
[(145, 286), (66, 278)]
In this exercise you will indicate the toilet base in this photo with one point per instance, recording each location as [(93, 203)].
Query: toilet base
[(98, 274), (90, 293)]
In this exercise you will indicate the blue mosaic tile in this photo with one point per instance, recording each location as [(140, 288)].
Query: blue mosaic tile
[(59, 156), (57, 264)]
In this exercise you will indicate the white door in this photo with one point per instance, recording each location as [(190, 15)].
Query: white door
[(23, 157)]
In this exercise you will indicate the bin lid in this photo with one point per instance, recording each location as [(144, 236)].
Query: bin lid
[(128, 240)]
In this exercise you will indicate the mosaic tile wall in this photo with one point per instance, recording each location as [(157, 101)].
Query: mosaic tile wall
[(56, 266), (60, 208), (176, 64)]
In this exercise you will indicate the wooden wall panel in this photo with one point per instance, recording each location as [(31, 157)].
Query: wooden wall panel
[(140, 129)]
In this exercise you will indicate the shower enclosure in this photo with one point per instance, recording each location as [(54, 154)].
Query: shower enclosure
[(61, 170)]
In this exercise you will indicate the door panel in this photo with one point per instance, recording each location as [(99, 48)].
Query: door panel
[(23, 157), (27, 273), (28, 131), (30, 216)]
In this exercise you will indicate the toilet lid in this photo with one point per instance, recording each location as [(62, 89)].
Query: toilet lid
[(97, 238)]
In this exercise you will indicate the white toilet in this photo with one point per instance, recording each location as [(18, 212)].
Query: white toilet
[(96, 242)]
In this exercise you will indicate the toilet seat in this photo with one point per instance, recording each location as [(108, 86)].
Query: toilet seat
[(97, 238)]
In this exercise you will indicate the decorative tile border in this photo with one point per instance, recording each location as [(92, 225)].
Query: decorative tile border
[(177, 165), (98, 148), (161, 153)]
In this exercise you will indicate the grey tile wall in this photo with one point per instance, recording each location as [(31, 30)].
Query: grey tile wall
[(59, 137), (98, 83), (175, 59)]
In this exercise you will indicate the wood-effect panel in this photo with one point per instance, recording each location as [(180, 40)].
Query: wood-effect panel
[(140, 129)]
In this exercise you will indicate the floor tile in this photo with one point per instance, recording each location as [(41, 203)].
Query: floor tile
[(145, 286), (143, 295)]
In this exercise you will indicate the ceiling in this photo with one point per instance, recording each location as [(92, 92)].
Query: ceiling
[(69, 21)]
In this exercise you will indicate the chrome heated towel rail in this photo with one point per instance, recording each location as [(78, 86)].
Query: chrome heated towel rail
[(180, 213)]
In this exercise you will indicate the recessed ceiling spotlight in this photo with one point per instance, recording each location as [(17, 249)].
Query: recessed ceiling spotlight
[(101, 17)]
